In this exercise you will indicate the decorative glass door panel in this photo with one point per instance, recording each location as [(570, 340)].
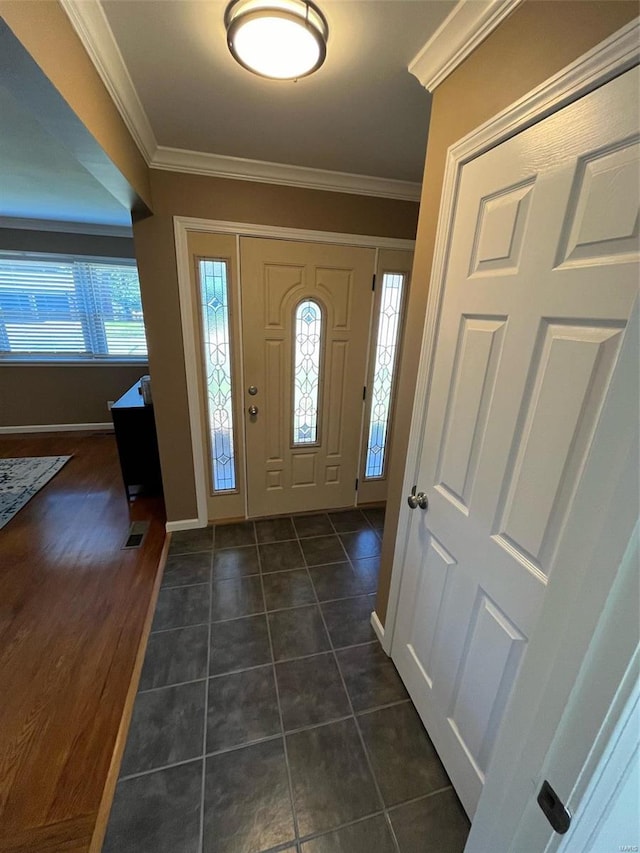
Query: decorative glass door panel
[(216, 345), (307, 353), (214, 286), (392, 279), (383, 372)]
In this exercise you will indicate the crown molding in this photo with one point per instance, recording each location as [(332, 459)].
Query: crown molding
[(90, 23), (264, 172), (63, 227), (469, 24)]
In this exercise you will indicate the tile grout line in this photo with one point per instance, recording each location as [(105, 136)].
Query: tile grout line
[(283, 660), (385, 811), (324, 600), (338, 562), (187, 553), (390, 827), (206, 700), (311, 727), (160, 768), (366, 754), (179, 627), (353, 713), (169, 686), (269, 738), (313, 835), (349, 559), (419, 798), (264, 612), (335, 530), (186, 585), (275, 681), (387, 817)]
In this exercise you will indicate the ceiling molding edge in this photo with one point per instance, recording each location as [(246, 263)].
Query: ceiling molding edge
[(90, 23), (61, 226), (460, 33), (262, 171), (92, 27)]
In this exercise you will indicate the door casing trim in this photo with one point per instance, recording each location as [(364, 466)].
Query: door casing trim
[(610, 58), (181, 226)]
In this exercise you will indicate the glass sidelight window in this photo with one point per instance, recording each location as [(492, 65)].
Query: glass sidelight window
[(306, 371), (384, 371), (216, 341)]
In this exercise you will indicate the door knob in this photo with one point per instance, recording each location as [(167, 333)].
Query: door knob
[(253, 410), (252, 390), (417, 500)]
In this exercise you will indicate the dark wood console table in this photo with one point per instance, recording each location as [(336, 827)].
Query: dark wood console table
[(135, 430)]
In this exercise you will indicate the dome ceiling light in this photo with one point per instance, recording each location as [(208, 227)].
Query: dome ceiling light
[(279, 39)]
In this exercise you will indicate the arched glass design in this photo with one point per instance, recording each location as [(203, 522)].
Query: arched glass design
[(216, 342), (306, 371), (383, 372)]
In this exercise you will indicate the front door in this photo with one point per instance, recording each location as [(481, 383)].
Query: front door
[(306, 313), (540, 283)]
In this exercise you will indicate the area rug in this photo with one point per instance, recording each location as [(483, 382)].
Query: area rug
[(22, 478)]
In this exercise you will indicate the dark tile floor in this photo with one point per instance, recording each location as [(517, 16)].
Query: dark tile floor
[(268, 718)]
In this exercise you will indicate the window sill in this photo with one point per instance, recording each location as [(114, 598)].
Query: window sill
[(73, 362)]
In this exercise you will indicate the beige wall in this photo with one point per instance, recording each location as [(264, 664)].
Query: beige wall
[(62, 242), (535, 42), (47, 34), (62, 393), (237, 201), (291, 207)]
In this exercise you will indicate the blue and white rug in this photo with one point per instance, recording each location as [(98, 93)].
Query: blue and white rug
[(22, 478)]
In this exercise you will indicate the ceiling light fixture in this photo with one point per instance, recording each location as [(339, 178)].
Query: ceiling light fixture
[(279, 39)]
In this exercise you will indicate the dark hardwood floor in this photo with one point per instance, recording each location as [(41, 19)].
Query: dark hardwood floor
[(75, 613)]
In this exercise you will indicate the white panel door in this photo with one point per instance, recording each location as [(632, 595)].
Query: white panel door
[(541, 279)]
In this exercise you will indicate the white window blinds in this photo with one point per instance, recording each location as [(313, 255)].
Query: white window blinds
[(70, 307)]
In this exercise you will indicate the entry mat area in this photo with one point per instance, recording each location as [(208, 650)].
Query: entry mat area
[(23, 477), (268, 718)]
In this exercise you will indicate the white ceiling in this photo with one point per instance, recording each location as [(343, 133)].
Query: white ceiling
[(41, 179), (361, 113)]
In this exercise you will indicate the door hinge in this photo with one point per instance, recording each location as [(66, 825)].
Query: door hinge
[(373, 282), (364, 393), (357, 481)]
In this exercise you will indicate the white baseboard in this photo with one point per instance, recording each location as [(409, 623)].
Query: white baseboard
[(378, 627), (184, 524), (10, 430)]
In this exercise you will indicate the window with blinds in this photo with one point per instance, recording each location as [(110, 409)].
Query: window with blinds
[(70, 307)]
